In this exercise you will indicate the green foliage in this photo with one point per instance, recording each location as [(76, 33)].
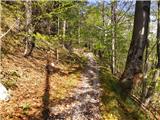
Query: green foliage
[(26, 107), (9, 79), (112, 106), (10, 83), (48, 41), (73, 58)]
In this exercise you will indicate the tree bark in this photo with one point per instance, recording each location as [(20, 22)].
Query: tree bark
[(57, 55), (113, 21), (29, 42), (79, 32), (79, 27), (158, 35), (133, 72), (100, 54), (147, 67), (103, 14), (64, 32), (58, 26), (151, 89)]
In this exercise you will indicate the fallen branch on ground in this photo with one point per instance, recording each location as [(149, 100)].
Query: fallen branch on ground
[(133, 97)]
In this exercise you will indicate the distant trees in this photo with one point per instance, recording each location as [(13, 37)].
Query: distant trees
[(133, 73), (110, 31)]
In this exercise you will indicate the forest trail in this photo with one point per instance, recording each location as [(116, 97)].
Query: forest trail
[(83, 102)]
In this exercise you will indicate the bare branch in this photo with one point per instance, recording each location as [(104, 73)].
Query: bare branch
[(125, 12), (9, 29)]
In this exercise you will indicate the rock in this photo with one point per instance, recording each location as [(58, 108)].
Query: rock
[(4, 95)]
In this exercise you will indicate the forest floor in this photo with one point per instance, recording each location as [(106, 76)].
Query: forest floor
[(83, 101), (81, 89), (31, 91)]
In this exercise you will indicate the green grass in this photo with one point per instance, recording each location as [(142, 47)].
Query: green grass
[(113, 107), (26, 107), (10, 79)]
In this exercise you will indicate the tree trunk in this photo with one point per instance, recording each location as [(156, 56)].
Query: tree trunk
[(151, 89), (113, 21), (29, 42), (49, 27), (79, 27), (64, 32), (79, 32), (158, 35), (104, 26), (103, 14), (57, 55), (58, 26), (147, 67), (133, 72)]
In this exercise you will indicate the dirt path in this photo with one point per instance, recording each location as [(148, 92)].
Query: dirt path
[(83, 102)]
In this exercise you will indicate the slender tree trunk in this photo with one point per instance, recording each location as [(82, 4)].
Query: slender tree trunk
[(146, 69), (49, 27), (57, 55), (0, 38), (79, 27), (103, 14), (64, 29), (64, 32), (156, 75), (79, 33), (100, 54), (58, 26), (57, 52), (158, 35), (113, 21), (29, 42), (133, 73)]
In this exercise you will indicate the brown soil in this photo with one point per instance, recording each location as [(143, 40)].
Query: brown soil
[(33, 90)]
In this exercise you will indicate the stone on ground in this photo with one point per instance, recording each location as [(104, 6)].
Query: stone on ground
[(4, 95)]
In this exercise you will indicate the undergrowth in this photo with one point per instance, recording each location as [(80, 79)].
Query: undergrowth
[(113, 107)]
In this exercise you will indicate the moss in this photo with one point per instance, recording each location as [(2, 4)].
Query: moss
[(113, 107)]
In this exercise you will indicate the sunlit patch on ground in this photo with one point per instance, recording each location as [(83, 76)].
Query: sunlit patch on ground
[(26, 81)]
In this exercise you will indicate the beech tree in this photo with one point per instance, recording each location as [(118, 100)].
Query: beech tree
[(133, 73)]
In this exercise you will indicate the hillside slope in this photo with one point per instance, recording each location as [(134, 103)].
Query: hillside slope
[(26, 81)]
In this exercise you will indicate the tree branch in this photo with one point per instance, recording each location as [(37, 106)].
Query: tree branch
[(9, 29)]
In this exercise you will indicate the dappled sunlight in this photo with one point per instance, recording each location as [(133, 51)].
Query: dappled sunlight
[(79, 60), (83, 101), (34, 88), (113, 107)]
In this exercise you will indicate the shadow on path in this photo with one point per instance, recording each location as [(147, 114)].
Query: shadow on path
[(50, 70), (45, 98)]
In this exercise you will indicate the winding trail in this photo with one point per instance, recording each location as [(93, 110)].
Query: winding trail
[(83, 102)]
